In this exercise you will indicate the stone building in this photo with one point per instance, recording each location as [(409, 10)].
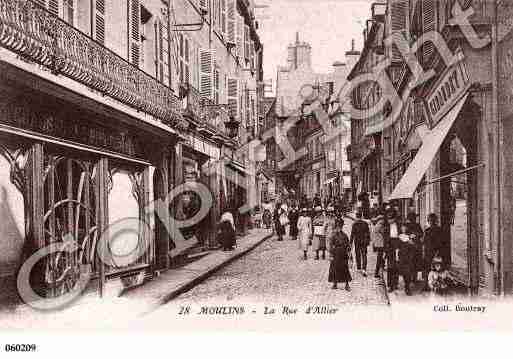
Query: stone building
[(107, 108)]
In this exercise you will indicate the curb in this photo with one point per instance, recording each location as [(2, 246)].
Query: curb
[(202, 277)]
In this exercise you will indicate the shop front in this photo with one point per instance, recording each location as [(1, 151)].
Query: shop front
[(448, 174), (71, 175)]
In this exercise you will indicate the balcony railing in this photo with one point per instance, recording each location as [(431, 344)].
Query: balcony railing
[(41, 37), (208, 116)]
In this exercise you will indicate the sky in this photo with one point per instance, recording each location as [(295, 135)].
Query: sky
[(328, 25)]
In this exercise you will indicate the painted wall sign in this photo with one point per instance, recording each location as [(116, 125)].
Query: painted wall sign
[(65, 123)]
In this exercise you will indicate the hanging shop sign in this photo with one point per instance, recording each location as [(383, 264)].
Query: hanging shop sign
[(65, 123), (451, 87)]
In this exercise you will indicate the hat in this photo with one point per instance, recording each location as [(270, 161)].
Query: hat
[(318, 209), (330, 209), (437, 260), (304, 210)]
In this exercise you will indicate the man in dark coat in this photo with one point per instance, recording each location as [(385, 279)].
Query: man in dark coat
[(293, 218), (392, 249), (416, 233), (434, 244), (360, 236)]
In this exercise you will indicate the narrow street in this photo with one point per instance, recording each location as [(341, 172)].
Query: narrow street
[(275, 272)]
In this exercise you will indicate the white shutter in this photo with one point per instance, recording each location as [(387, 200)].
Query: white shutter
[(134, 36), (50, 5), (252, 56), (207, 73), (247, 53), (399, 25), (240, 37), (99, 21), (233, 96), (162, 53), (223, 17), (231, 21)]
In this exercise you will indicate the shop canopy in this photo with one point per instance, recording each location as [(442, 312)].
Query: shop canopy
[(430, 145)]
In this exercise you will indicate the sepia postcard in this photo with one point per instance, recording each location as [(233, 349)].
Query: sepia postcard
[(255, 165)]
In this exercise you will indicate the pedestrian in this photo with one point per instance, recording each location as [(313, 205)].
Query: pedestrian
[(319, 237), (439, 278), (226, 235), (293, 218), (330, 225), (378, 243), (434, 244), (416, 233), (277, 215), (267, 218), (360, 236), (340, 255), (392, 250), (406, 257), (304, 226)]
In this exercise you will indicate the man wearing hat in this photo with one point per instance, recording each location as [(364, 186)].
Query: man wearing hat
[(330, 225), (391, 241), (360, 236), (319, 238), (378, 242), (304, 226)]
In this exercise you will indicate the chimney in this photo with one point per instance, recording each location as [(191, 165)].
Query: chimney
[(352, 56)]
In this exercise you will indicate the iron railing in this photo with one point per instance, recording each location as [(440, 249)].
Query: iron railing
[(37, 35)]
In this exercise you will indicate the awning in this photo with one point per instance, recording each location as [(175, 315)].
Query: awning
[(427, 152)]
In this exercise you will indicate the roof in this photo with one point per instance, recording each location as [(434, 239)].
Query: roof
[(377, 30)]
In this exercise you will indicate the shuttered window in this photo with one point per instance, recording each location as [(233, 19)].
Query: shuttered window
[(184, 57), (217, 85), (223, 16), (240, 37), (162, 47), (206, 73), (399, 26), (134, 36), (99, 21), (247, 51), (68, 11), (252, 55), (233, 96), (428, 25), (50, 5), (231, 21)]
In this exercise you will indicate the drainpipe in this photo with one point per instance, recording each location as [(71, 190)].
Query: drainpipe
[(498, 146)]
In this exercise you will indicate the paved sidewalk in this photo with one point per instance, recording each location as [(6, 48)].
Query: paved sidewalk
[(90, 311)]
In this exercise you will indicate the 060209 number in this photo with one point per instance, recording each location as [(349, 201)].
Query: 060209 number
[(20, 347)]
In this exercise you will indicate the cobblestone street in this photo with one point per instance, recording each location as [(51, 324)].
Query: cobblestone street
[(275, 272)]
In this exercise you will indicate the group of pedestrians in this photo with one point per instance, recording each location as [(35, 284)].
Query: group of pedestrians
[(404, 250)]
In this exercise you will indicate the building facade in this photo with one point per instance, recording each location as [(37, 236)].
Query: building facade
[(444, 149), (107, 108)]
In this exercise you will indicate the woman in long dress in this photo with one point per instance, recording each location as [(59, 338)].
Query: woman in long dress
[(340, 252), (304, 226)]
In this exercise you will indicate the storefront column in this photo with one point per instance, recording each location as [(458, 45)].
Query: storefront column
[(215, 211), (102, 216), (35, 213), (161, 197)]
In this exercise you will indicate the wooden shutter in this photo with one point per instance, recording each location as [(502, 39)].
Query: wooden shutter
[(99, 21), (240, 37), (134, 36), (217, 85), (428, 24), (207, 73), (233, 96), (50, 5), (223, 17), (231, 21), (398, 25), (252, 54), (162, 52), (247, 51)]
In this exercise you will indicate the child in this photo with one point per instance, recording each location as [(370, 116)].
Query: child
[(438, 278)]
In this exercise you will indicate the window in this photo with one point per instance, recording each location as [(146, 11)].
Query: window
[(68, 11), (184, 57), (162, 55)]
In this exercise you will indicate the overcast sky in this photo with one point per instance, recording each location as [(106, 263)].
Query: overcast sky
[(328, 25)]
